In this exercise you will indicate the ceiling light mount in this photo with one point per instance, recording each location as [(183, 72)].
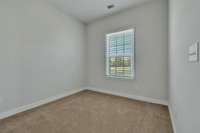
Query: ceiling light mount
[(110, 6)]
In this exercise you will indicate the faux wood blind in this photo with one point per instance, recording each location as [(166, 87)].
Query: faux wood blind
[(119, 54)]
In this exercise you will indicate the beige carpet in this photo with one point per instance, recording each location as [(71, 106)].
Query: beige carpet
[(91, 112)]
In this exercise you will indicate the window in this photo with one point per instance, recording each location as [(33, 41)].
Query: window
[(120, 54)]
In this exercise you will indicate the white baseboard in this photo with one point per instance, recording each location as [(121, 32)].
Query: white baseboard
[(172, 118), (54, 98), (130, 96), (37, 104)]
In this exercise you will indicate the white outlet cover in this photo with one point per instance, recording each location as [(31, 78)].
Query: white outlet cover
[(193, 52)]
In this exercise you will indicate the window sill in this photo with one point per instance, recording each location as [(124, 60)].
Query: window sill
[(118, 77)]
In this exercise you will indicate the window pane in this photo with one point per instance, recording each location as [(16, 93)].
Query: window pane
[(119, 54)]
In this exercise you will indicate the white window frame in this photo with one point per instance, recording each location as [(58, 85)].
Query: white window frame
[(107, 73)]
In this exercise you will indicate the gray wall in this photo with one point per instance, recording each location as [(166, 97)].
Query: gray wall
[(151, 23), (42, 52), (184, 76)]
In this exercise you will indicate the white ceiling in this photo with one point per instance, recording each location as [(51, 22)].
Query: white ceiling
[(88, 10)]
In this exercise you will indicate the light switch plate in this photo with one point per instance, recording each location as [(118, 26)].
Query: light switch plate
[(193, 52)]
